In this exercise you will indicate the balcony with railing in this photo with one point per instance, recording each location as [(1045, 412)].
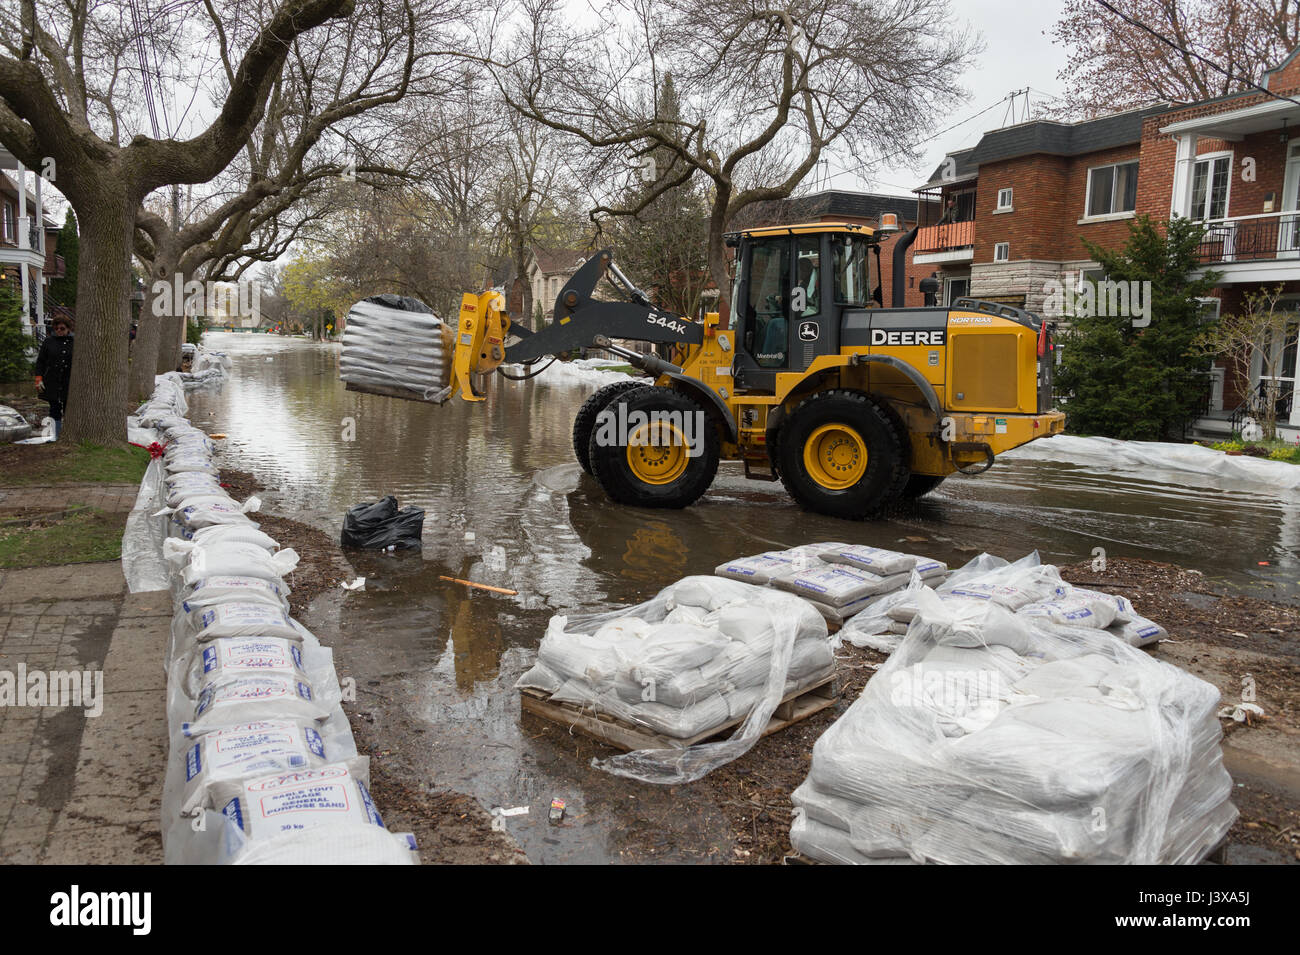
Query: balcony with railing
[(1269, 237), (23, 240), (951, 241)]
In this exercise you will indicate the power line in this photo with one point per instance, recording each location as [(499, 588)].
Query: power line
[(1192, 53), (882, 159)]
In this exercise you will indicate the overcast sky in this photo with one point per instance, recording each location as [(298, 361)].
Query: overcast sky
[(1018, 53)]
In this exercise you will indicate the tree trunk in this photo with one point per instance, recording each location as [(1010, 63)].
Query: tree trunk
[(144, 354), (171, 331), (97, 397), (718, 255)]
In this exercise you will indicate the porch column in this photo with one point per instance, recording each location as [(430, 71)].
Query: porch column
[(22, 205), (40, 219), (1184, 166)]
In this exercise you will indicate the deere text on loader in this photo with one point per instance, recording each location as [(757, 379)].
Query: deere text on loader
[(850, 404)]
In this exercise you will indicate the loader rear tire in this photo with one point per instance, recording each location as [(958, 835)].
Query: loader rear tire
[(919, 485), (840, 453), (653, 465), (585, 420)]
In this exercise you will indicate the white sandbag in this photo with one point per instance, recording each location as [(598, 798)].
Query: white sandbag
[(246, 697), (237, 752), (1139, 631), (332, 845), (838, 585), (235, 618), (230, 533), (219, 658), (224, 589), (190, 464), (1075, 610), (240, 560), (758, 569), (1123, 607), (207, 513), (877, 560), (265, 807)]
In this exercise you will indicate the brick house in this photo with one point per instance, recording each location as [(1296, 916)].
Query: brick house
[(1234, 163), (1015, 208), (28, 240), (1025, 196)]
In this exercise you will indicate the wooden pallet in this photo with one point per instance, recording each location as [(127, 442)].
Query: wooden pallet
[(793, 708)]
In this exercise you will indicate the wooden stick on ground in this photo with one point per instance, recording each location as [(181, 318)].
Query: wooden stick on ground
[(470, 583)]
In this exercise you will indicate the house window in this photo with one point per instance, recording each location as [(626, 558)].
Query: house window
[(1112, 189), (1210, 179), (9, 223), (1002, 252), (1004, 199)]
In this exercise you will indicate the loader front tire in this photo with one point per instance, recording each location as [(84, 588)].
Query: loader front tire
[(919, 485), (585, 420), (840, 453), (658, 449)]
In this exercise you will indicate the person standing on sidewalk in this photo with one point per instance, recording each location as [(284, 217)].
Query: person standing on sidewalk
[(54, 371)]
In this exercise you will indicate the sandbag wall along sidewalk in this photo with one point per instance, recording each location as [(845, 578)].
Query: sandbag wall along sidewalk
[(263, 768)]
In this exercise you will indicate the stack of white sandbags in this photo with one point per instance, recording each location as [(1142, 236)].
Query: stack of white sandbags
[(702, 653), (839, 580), (263, 768), (398, 344), (993, 737), (1027, 586)]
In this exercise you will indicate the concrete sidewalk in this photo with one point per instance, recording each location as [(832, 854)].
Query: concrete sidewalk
[(114, 498), (76, 788)]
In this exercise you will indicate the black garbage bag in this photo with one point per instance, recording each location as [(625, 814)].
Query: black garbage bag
[(381, 525)]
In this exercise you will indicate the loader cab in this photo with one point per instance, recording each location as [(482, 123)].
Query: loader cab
[(791, 287)]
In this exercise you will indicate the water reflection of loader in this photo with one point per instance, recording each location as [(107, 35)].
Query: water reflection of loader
[(636, 545), (476, 638)]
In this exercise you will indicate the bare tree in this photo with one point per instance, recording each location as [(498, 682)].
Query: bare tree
[(1115, 64), (754, 81), (327, 119), (59, 107)]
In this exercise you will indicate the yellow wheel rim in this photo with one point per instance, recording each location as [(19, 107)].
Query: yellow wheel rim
[(657, 453), (835, 456)]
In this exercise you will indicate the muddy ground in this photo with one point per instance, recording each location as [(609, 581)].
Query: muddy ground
[(449, 828), (1223, 638)]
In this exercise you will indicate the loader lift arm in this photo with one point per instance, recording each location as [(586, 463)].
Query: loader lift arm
[(579, 318)]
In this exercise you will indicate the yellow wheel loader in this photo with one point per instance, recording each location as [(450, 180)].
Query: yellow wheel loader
[(851, 404)]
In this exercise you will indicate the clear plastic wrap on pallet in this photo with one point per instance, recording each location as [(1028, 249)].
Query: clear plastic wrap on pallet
[(992, 737), (702, 653), (396, 343)]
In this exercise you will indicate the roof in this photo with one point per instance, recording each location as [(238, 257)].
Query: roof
[(961, 169), (806, 227), (830, 203), (1050, 138), (557, 260)]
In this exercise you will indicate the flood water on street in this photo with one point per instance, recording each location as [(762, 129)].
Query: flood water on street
[(501, 474)]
